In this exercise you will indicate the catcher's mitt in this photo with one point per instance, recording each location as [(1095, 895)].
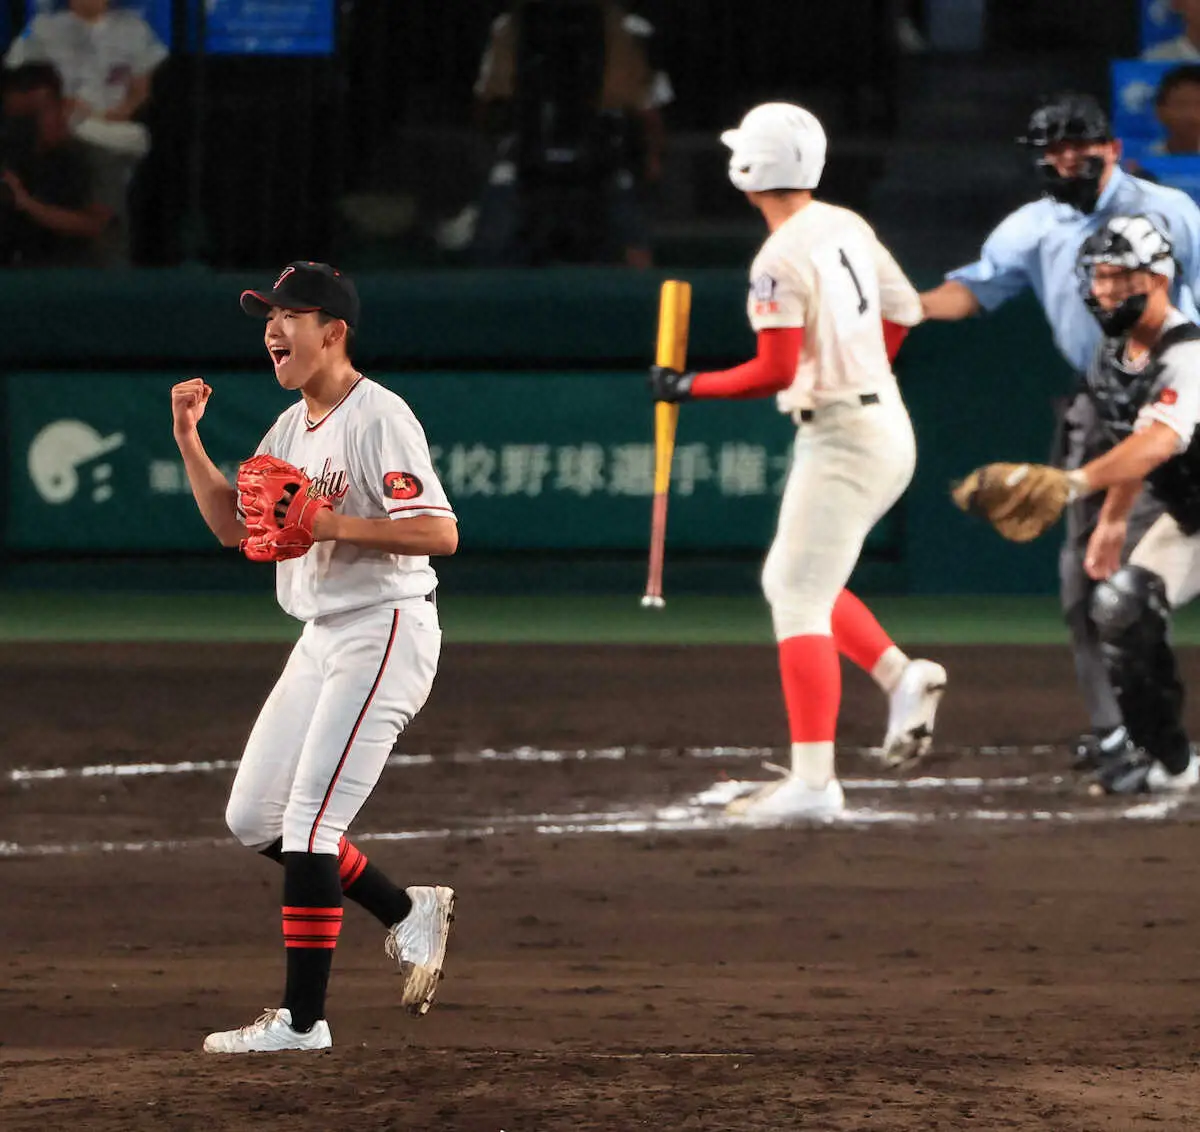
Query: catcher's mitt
[(275, 498), (1021, 501)]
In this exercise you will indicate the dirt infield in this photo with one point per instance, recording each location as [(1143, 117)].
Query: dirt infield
[(1020, 957)]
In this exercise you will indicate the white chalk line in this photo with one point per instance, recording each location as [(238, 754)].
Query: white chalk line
[(649, 1055), (519, 754), (702, 812), (692, 816)]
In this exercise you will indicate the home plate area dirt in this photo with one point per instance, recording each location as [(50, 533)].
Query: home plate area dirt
[(978, 945)]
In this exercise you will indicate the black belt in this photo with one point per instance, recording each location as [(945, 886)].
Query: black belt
[(807, 415), (431, 597)]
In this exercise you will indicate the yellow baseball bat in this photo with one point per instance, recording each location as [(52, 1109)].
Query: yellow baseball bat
[(674, 311)]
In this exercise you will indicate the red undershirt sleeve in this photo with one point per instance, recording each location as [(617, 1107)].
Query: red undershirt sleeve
[(893, 338), (772, 371)]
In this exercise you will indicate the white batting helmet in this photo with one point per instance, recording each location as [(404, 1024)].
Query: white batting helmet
[(776, 146)]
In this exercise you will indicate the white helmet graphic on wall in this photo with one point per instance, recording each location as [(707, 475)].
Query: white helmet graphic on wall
[(776, 146), (58, 451)]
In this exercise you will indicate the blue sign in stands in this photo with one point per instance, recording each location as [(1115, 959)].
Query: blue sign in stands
[(1178, 172), (1160, 22), (269, 27), (1134, 86), (238, 27)]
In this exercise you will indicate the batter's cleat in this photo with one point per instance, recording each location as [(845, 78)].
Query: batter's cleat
[(789, 798), (1092, 751), (270, 1033), (418, 944), (912, 707)]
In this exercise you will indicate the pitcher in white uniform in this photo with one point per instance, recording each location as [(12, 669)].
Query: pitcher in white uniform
[(366, 658), (830, 307)]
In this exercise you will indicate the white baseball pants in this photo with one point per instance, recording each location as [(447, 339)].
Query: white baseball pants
[(350, 686), (1173, 556), (850, 464)]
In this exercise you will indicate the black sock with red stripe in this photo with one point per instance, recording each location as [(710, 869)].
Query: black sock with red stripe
[(312, 919), (363, 883)]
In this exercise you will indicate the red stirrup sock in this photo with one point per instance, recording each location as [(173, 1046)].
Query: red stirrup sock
[(864, 642), (812, 687)]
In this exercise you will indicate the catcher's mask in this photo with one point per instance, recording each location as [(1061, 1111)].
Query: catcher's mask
[(1135, 245), (1068, 117)]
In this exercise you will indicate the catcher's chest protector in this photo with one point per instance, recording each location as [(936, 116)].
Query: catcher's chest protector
[(1177, 484), (1119, 393)]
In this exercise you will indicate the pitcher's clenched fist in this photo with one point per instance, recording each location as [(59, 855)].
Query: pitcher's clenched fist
[(188, 400)]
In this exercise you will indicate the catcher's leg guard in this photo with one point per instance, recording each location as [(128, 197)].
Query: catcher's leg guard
[(1075, 592), (1132, 616)]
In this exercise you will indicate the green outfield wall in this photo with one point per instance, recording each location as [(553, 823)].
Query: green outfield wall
[(530, 386), (538, 460)]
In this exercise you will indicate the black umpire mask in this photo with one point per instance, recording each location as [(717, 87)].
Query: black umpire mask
[(1121, 319), (1081, 191)]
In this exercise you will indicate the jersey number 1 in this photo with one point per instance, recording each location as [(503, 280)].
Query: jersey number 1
[(862, 299)]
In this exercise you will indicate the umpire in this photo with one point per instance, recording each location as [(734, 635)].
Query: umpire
[(1036, 246)]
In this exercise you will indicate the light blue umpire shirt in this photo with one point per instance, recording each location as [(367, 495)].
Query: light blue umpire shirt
[(1037, 246)]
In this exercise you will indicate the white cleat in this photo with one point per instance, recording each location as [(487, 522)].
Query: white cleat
[(1159, 780), (912, 707), (789, 798), (270, 1033), (418, 944)]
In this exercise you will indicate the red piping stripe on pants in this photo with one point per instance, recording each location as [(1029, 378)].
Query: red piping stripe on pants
[(312, 836)]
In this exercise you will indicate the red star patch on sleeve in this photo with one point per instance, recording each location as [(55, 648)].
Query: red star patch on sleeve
[(402, 485)]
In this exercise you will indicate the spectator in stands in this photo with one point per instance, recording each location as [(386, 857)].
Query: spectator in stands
[(107, 60), (910, 27), (1184, 48), (570, 88), (1177, 105), (50, 212)]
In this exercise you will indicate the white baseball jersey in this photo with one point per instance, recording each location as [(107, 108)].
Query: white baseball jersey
[(1176, 393), (370, 456), (825, 270), (96, 59)]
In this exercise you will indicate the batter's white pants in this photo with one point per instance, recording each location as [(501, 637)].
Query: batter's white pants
[(850, 464), (1173, 556), (350, 686)]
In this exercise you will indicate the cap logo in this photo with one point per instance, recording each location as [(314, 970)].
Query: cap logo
[(286, 272)]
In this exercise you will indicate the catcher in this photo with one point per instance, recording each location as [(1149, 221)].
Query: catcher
[(342, 495), (1144, 382)]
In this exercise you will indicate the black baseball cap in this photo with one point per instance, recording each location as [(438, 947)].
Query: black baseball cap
[(307, 286)]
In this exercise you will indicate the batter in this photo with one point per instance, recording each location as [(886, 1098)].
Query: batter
[(830, 307)]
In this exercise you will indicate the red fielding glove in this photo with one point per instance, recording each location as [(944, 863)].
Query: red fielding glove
[(279, 509)]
